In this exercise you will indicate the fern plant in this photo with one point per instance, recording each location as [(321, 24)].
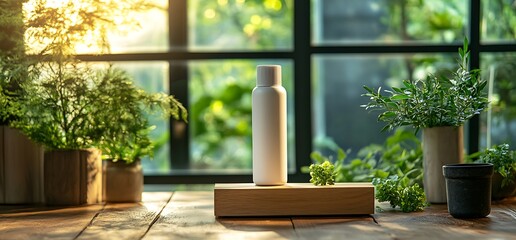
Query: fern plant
[(59, 110), (122, 117)]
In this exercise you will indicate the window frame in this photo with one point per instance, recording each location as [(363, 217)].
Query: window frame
[(301, 56)]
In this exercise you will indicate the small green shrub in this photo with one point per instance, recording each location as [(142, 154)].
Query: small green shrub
[(503, 160)]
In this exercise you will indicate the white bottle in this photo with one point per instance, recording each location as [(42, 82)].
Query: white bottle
[(269, 127)]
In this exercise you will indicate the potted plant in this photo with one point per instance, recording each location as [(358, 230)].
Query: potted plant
[(59, 108), (440, 106), (58, 111), (125, 139), (504, 177), (20, 159)]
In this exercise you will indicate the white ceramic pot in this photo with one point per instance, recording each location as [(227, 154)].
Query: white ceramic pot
[(441, 146)]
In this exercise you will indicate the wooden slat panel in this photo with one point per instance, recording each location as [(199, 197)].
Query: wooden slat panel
[(189, 215), (293, 199), (339, 227), (21, 163), (437, 223), (2, 165), (45, 223), (126, 220), (23, 168)]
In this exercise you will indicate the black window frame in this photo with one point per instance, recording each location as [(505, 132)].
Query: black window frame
[(301, 55)]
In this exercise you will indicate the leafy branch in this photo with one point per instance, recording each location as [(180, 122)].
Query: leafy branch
[(432, 102)]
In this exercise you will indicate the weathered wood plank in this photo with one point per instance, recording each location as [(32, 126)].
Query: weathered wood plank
[(293, 199), (190, 215), (338, 227), (45, 222), (21, 168), (437, 223), (126, 220)]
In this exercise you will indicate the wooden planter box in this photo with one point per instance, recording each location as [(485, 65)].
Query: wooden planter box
[(21, 168), (123, 182), (73, 177)]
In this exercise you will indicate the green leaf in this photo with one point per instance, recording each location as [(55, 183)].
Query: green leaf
[(341, 155), (400, 97), (317, 157)]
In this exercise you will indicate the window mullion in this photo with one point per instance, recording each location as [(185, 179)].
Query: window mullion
[(474, 43), (178, 79)]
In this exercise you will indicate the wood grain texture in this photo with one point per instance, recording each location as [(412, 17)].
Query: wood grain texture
[(45, 222), (21, 168), (189, 215), (293, 199), (126, 220), (73, 177), (437, 223), (339, 227)]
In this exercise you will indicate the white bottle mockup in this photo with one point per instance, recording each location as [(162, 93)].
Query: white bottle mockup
[(269, 123)]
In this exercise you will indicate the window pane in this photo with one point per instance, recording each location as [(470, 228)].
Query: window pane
[(240, 24), (387, 21), (498, 20), (498, 123), (149, 33), (338, 119), (153, 77), (220, 112)]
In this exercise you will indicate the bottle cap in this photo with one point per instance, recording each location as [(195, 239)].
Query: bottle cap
[(268, 75)]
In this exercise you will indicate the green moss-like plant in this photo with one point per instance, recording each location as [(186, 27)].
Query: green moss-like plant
[(322, 174)]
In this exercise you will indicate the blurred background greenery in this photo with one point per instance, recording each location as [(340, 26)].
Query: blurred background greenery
[(219, 90)]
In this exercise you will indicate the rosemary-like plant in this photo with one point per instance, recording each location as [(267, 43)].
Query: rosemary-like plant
[(434, 101)]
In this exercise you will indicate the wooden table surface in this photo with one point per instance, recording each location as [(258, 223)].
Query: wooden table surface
[(189, 215)]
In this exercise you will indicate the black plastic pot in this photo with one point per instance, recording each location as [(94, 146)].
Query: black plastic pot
[(468, 189)]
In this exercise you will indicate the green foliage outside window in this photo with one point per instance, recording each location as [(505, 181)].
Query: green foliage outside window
[(239, 24), (425, 20), (220, 112)]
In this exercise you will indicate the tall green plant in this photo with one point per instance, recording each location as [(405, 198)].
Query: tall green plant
[(432, 102)]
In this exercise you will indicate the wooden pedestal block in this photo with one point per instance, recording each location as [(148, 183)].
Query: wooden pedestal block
[(21, 168), (73, 177), (293, 199)]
